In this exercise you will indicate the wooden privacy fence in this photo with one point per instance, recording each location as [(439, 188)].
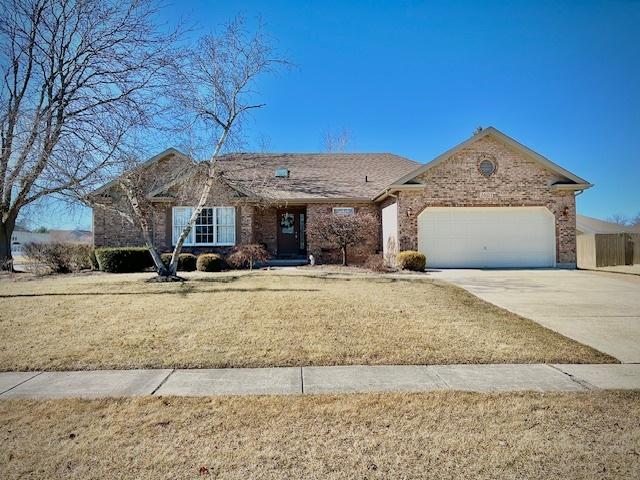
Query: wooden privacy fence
[(607, 249), (634, 238)]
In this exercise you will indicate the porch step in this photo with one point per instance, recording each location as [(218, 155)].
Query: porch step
[(286, 262)]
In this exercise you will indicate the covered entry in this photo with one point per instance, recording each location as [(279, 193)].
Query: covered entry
[(487, 237)]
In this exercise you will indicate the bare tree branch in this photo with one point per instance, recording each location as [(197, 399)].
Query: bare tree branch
[(336, 141), (216, 90), (78, 78)]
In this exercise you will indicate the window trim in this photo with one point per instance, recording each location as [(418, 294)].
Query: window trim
[(346, 211), (190, 240)]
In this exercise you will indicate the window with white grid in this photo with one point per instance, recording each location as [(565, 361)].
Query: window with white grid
[(214, 226)]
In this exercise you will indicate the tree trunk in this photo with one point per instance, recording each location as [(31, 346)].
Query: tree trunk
[(162, 270), (6, 261), (6, 231), (344, 255)]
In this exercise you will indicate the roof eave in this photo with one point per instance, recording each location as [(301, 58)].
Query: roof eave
[(303, 201), (572, 186), (395, 187)]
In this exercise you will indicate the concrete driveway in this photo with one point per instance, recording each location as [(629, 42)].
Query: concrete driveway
[(595, 308)]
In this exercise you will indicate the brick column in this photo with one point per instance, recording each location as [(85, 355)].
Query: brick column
[(246, 224)]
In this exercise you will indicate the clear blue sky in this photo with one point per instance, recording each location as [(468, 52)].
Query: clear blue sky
[(415, 78)]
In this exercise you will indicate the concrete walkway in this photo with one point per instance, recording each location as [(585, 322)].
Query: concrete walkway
[(318, 380), (599, 309)]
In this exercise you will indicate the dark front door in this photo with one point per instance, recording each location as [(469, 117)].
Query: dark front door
[(291, 232)]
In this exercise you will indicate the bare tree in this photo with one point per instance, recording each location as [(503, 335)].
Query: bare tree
[(336, 141), (342, 231), (215, 91), (635, 221), (77, 77), (619, 219)]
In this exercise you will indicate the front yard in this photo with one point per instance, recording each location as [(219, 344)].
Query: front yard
[(457, 435), (262, 319)]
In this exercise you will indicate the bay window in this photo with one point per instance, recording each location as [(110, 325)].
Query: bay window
[(214, 226)]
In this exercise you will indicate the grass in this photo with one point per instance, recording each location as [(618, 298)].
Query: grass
[(262, 319), (458, 435)]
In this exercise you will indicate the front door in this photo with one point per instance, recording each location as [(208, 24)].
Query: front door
[(291, 232)]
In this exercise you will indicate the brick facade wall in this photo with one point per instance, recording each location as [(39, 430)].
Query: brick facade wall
[(265, 230), (517, 181), (111, 229)]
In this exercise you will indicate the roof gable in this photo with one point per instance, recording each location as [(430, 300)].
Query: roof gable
[(171, 151), (574, 180)]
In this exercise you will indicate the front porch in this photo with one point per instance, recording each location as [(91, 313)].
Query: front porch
[(282, 230)]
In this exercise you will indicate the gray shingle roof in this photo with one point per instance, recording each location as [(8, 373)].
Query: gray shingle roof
[(315, 175)]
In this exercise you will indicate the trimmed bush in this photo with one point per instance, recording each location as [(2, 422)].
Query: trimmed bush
[(209, 262), (60, 257), (411, 260), (186, 261), (245, 256), (375, 263), (124, 260)]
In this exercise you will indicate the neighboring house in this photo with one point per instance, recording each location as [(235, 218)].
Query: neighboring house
[(487, 202), (590, 225), (20, 237)]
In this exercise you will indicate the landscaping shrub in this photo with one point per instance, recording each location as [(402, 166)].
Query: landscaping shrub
[(209, 262), (94, 260), (411, 260), (124, 260), (60, 257), (80, 256), (248, 255), (376, 263), (186, 261)]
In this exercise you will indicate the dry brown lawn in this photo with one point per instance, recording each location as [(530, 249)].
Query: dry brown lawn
[(262, 319), (436, 435)]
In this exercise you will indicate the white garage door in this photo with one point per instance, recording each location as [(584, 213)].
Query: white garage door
[(487, 237)]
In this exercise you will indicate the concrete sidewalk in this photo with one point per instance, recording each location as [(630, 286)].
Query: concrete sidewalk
[(318, 380)]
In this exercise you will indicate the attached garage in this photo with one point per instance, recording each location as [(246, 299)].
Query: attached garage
[(487, 237)]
